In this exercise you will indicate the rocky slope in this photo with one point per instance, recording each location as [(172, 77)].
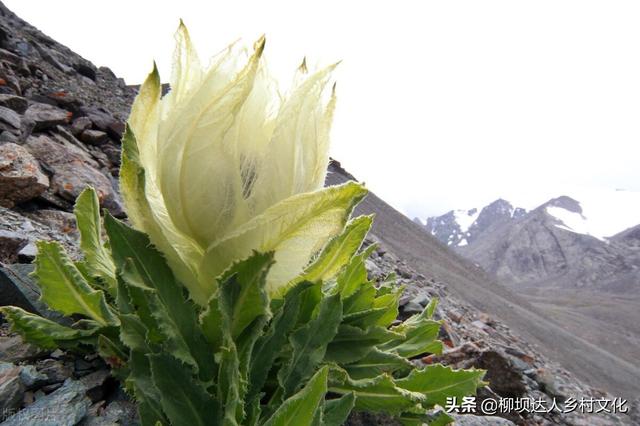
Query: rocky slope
[(61, 119)]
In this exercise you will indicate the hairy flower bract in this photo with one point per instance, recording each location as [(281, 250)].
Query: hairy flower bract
[(225, 164)]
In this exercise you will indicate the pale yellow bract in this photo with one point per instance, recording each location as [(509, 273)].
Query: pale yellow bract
[(231, 166)]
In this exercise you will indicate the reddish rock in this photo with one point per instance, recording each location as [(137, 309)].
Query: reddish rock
[(73, 172), (20, 175)]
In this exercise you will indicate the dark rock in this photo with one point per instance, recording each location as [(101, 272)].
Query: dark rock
[(9, 119), (64, 407), (503, 378), (81, 366), (86, 69), (61, 221), (52, 199), (112, 152), (7, 56), (550, 384), (20, 175), (13, 102), (31, 377), (66, 138), (10, 245), (116, 130), (94, 137), (11, 388), (9, 81), (56, 371), (64, 100), (97, 384), (80, 124), (53, 58), (6, 136), (100, 118), (28, 253), (46, 116), (50, 388), (124, 412), (17, 289), (14, 349), (117, 413)]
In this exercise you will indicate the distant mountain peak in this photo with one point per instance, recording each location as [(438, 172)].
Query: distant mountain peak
[(562, 241), (458, 228), (565, 202)]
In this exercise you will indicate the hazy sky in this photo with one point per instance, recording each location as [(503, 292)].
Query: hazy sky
[(442, 105)]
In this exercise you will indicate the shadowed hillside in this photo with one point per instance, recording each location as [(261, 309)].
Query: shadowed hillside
[(427, 255)]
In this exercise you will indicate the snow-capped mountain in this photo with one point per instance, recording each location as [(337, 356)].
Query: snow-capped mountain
[(459, 228), (561, 243), (600, 214)]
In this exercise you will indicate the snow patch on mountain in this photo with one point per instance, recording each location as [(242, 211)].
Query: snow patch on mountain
[(573, 222), (465, 218), (605, 213)]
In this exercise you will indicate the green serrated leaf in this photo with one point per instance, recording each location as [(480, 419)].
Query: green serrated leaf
[(361, 300), (300, 409), (353, 343), (176, 317), (365, 318), (438, 382), (309, 344), (338, 251), (274, 339), (148, 396), (378, 394), (419, 336), (46, 333), (355, 274), (377, 362), (336, 411), (133, 333), (229, 388), (139, 329), (390, 302), (184, 400), (96, 257), (243, 307), (244, 297), (64, 289), (431, 308)]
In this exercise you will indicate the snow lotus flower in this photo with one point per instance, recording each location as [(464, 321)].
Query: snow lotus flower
[(224, 165)]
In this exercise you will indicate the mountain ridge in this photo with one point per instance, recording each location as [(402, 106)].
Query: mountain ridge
[(549, 258)]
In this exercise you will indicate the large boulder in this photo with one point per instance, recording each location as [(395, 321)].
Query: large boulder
[(20, 175), (73, 171), (44, 116)]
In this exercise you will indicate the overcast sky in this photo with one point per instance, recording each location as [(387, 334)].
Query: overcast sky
[(442, 105)]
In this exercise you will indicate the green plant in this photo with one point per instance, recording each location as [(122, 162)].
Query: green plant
[(238, 326)]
